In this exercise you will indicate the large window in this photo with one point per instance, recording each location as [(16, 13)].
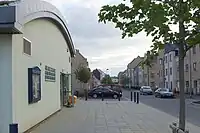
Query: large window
[(26, 46), (50, 74), (34, 85)]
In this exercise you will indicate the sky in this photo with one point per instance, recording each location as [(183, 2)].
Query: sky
[(100, 43)]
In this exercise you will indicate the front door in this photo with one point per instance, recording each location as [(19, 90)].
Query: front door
[(64, 82)]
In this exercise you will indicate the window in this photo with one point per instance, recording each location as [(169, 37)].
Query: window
[(166, 84), (26, 46), (170, 57), (152, 75), (186, 67), (194, 49), (166, 72), (50, 74), (194, 66), (170, 70), (186, 84), (171, 85), (165, 59), (34, 85)]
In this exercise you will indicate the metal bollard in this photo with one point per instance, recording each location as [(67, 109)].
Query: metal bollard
[(102, 96), (13, 128), (135, 97), (86, 97), (131, 96), (138, 97), (119, 98)]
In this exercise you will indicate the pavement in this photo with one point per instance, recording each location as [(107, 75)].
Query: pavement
[(112, 116), (171, 106)]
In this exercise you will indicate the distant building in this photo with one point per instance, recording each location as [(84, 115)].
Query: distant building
[(115, 80), (135, 73), (78, 61), (171, 66), (97, 76)]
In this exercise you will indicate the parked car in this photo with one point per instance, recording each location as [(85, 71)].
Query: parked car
[(164, 93), (146, 90), (97, 92)]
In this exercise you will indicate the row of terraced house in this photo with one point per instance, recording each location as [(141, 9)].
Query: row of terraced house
[(164, 70)]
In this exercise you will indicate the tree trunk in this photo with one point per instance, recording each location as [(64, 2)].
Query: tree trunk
[(182, 93), (181, 67)]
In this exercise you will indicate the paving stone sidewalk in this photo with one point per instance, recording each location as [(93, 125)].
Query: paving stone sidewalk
[(109, 117)]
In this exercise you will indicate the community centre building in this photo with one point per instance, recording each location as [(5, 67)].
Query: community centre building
[(35, 63)]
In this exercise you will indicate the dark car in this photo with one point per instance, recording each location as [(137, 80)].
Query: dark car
[(164, 92), (97, 92)]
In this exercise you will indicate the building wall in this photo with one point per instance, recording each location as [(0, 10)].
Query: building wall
[(77, 62), (5, 82), (48, 48)]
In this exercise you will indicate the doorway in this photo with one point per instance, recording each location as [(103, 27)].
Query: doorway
[(64, 89)]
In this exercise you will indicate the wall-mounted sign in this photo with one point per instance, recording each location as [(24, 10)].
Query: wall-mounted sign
[(50, 74), (34, 85)]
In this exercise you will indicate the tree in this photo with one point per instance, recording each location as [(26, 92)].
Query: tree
[(107, 80), (159, 18), (83, 74)]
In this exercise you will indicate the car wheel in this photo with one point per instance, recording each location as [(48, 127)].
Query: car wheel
[(94, 95), (115, 96)]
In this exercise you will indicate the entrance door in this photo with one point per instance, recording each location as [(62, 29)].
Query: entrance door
[(64, 88)]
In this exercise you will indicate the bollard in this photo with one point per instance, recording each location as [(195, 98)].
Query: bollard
[(119, 97), (86, 98), (131, 96), (102, 96), (135, 97), (13, 128), (138, 98)]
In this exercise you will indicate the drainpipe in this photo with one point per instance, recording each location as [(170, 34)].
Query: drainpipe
[(190, 74)]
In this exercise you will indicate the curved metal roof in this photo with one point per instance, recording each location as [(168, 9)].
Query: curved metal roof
[(25, 11)]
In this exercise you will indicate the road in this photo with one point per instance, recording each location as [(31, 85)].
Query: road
[(170, 106)]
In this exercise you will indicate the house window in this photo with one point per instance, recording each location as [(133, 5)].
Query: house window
[(194, 49), (166, 84), (170, 70), (165, 59), (194, 66), (171, 85), (34, 85), (170, 57), (50, 74), (186, 67), (166, 72), (186, 84), (26, 46)]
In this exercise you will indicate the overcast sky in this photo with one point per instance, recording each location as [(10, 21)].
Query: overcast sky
[(100, 43)]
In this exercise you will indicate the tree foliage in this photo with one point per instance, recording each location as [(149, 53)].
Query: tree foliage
[(157, 18), (167, 21), (107, 80), (83, 74)]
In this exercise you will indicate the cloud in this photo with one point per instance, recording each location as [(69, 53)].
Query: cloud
[(100, 43)]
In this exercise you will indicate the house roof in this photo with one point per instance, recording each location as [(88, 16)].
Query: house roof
[(169, 47), (24, 11)]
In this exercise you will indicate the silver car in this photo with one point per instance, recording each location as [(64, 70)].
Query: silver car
[(164, 93), (146, 90)]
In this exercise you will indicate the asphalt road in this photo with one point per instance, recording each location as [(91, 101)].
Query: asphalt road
[(170, 106)]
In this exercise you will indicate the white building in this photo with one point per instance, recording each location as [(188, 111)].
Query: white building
[(171, 66), (35, 63)]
